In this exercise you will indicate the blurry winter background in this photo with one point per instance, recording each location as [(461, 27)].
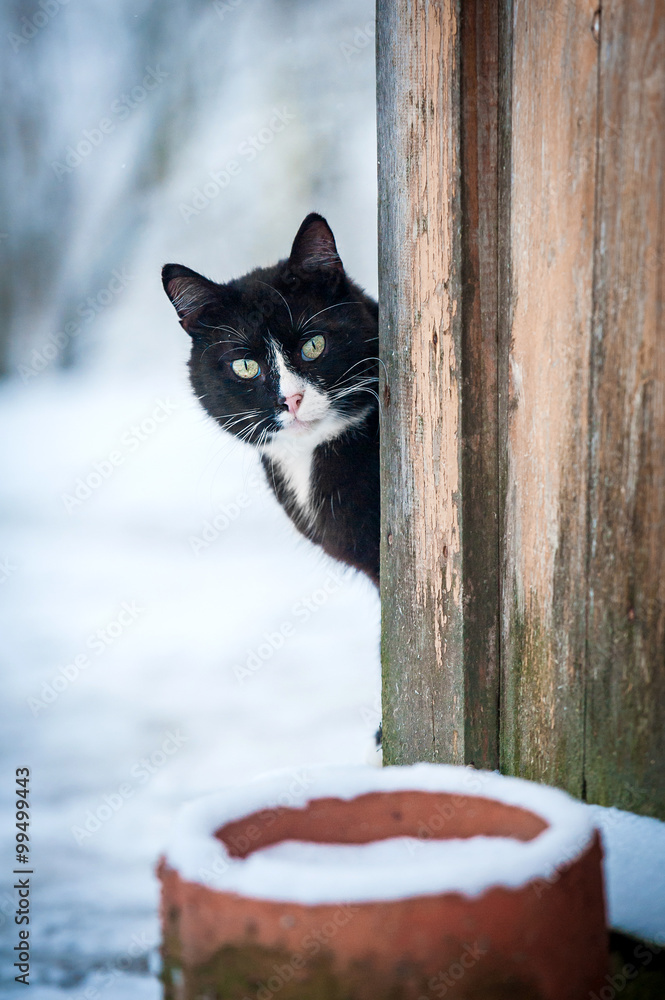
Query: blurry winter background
[(146, 576)]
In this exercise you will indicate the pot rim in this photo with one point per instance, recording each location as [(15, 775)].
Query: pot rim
[(428, 867)]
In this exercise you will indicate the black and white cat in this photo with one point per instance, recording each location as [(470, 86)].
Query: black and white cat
[(285, 358)]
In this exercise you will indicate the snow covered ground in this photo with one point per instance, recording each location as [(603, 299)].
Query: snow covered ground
[(204, 653)]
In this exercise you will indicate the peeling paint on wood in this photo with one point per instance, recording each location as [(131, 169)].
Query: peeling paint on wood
[(418, 93)]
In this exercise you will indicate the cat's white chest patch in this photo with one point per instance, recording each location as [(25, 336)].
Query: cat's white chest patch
[(294, 460), (292, 449), (294, 453)]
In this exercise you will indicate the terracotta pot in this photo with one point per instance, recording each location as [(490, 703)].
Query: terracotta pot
[(256, 906)]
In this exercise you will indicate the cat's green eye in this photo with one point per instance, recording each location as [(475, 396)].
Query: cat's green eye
[(313, 349), (246, 367)]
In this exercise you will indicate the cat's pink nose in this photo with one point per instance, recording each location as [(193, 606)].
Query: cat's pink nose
[(293, 402)]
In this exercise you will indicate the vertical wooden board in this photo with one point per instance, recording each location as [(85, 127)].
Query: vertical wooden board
[(625, 742), (554, 104), (480, 496), (419, 290)]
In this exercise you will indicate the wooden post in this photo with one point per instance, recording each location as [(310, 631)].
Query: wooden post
[(522, 274), (419, 168), (437, 97)]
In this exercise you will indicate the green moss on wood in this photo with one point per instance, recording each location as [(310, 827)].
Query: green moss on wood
[(542, 728)]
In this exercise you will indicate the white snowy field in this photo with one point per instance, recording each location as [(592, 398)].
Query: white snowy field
[(163, 636)]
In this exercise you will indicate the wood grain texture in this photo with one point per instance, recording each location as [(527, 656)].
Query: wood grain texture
[(625, 742), (553, 129), (418, 53), (522, 270)]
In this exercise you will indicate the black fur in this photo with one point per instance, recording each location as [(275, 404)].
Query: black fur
[(309, 293)]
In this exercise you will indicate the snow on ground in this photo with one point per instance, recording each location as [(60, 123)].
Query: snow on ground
[(634, 872)]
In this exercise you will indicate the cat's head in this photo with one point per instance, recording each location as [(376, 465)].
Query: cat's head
[(283, 352)]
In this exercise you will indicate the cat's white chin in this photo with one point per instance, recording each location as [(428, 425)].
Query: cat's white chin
[(300, 426)]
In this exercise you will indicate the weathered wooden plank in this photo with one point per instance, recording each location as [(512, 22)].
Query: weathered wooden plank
[(480, 484), (418, 70), (553, 127), (625, 742)]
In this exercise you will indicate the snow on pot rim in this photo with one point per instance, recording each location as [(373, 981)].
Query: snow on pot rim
[(391, 868)]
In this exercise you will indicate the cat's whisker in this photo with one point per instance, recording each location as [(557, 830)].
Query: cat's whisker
[(280, 295), (370, 380), (236, 347), (263, 437), (216, 344), (238, 418), (381, 362), (242, 337), (350, 369), (241, 421), (372, 392), (336, 305), (354, 380), (362, 361), (311, 332), (359, 388), (245, 434), (243, 413)]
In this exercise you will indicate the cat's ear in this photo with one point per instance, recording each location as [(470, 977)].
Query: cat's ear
[(189, 292), (314, 248)]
